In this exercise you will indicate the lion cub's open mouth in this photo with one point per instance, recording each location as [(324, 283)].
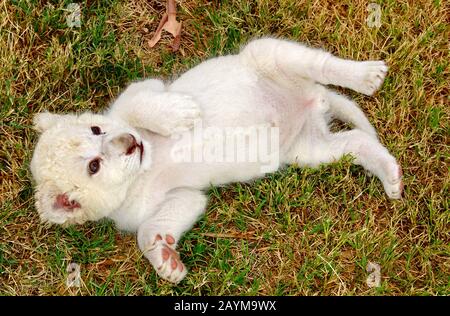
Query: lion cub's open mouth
[(133, 147), (141, 151)]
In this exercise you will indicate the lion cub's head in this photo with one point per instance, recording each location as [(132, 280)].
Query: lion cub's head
[(83, 166)]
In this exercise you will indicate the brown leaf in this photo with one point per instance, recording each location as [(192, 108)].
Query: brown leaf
[(170, 24), (157, 36)]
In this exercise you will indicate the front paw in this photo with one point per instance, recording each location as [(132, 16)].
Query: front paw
[(166, 260), (182, 112)]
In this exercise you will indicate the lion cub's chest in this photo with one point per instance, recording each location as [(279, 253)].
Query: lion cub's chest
[(141, 204)]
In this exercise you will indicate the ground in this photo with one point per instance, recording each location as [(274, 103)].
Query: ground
[(296, 232)]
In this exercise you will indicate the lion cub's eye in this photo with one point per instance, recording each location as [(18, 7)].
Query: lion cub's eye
[(96, 130), (94, 166)]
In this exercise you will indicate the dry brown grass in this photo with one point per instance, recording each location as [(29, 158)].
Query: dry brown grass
[(299, 232)]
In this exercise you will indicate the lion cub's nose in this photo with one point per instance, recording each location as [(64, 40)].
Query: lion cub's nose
[(126, 142)]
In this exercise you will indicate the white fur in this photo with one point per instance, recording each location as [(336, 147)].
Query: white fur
[(271, 82)]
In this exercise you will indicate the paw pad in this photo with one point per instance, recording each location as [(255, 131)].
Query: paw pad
[(166, 259)]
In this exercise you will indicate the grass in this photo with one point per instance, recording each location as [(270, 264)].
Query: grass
[(296, 232)]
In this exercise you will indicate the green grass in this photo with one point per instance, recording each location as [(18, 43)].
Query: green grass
[(296, 232)]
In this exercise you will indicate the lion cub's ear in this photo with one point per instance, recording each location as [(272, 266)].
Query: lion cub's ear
[(45, 120), (50, 199)]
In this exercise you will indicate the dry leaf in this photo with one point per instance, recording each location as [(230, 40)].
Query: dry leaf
[(157, 36), (170, 24)]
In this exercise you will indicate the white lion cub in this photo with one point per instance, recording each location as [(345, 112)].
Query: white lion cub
[(271, 98)]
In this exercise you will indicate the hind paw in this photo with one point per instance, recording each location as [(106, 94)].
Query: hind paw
[(393, 183), (369, 76)]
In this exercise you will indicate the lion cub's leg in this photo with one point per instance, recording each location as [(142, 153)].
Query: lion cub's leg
[(146, 104), (159, 235), (276, 58), (367, 151)]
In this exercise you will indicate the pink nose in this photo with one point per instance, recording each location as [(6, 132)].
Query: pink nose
[(124, 143)]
